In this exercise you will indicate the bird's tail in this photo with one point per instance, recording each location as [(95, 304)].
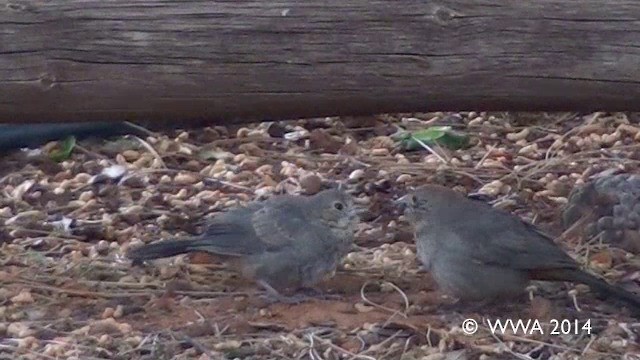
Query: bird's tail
[(167, 248), (602, 287)]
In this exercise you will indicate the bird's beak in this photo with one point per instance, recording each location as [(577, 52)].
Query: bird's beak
[(403, 202)]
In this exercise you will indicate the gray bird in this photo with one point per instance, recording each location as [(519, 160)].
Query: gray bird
[(476, 252), (284, 242)]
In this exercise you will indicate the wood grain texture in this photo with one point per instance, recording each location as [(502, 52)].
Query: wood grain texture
[(185, 60)]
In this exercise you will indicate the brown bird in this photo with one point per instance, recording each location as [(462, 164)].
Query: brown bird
[(476, 252), (284, 242)]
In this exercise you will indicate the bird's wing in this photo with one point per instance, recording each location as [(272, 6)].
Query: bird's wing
[(505, 240), (279, 224), (231, 233)]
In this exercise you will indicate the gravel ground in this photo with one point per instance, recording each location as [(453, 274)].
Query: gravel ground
[(67, 292)]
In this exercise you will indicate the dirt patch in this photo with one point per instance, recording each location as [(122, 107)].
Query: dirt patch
[(68, 292)]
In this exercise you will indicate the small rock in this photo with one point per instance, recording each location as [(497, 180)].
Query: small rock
[(131, 155), (382, 142), (401, 159), (476, 121), (82, 178), (492, 164), (108, 326), (403, 178), (256, 133), (493, 188), (288, 169), (24, 297), (228, 345), (19, 330), (356, 175), (632, 130), (208, 196), (380, 152), (311, 184), (6, 212), (85, 196), (243, 132), (107, 313), (558, 187), (251, 149), (609, 139), (519, 135), (249, 164), (455, 162), (266, 169), (102, 247), (184, 179), (131, 214), (133, 341), (118, 312), (22, 189), (363, 308), (182, 136), (529, 150), (104, 340)]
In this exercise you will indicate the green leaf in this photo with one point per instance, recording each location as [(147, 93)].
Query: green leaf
[(63, 150), (442, 135)]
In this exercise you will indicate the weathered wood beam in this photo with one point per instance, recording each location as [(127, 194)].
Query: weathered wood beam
[(177, 60)]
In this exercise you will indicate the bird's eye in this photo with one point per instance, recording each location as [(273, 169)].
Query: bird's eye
[(338, 206)]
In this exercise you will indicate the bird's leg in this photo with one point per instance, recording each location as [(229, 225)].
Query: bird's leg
[(313, 292), (274, 296)]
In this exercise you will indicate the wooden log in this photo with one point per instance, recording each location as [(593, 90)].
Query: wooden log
[(177, 60)]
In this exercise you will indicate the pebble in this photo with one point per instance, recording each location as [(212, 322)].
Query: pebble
[(102, 247), (6, 212), (356, 175), (85, 196), (131, 155), (493, 188), (519, 135), (380, 152), (531, 149), (311, 183), (24, 297), (82, 178), (19, 330), (266, 169), (476, 121), (403, 178), (401, 159), (185, 179), (243, 132)]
